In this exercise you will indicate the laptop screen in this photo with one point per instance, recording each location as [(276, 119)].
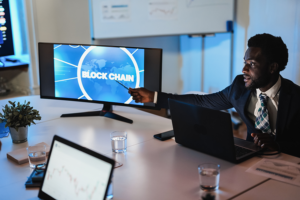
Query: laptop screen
[(73, 174)]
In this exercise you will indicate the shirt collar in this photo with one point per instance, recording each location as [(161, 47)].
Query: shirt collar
[(272, 92)]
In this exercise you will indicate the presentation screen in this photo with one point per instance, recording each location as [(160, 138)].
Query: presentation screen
[(98, 73)]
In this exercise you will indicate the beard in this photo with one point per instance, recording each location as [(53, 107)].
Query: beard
[(260, 81)]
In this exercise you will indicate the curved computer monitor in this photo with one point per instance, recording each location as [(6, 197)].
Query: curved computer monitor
[(98, 74)]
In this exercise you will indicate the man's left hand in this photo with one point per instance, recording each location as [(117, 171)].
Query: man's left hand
[(264, 140)]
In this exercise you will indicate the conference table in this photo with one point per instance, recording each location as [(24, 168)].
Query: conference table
[(152, 169)]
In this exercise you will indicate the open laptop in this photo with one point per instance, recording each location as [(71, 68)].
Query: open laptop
[(208, 131), (75, 172)]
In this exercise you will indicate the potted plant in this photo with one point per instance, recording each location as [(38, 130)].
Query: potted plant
[(18, 118)]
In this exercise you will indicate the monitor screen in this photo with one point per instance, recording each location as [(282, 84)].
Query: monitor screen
[(74, 174), (100, 74), (6, 39)]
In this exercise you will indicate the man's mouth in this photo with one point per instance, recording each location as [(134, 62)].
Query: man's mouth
[(247, 78)]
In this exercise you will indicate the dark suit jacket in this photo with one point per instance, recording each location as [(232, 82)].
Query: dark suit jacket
[(237, 96)]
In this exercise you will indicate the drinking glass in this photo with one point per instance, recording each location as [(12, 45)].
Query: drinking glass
[(209, 175), (36, 155), (118, 141)]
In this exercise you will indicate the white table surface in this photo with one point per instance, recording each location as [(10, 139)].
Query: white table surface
[(53, 109), (272, 189), (151, 169)]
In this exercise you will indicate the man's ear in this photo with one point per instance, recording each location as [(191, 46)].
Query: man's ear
[(273, 68)]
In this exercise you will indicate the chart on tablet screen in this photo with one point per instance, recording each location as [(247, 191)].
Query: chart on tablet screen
[(72, 174)]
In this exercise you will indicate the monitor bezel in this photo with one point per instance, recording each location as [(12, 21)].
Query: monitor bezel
[(44, 195), (155, 107)]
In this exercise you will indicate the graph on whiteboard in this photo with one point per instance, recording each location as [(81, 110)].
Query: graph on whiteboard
[(200, 3), (72, 174), (115, 11), (162, 9)]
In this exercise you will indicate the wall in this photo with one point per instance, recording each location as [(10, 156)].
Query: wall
[(46, 21), (279, 18), (211, 74)]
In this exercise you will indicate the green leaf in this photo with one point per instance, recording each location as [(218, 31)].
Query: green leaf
[(20, 115)]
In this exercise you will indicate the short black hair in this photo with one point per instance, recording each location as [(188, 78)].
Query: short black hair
[(272, 47)]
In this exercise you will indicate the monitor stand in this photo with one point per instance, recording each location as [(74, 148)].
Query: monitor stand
[(105, 112)]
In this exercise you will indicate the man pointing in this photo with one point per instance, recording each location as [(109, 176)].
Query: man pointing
[(268, 103)]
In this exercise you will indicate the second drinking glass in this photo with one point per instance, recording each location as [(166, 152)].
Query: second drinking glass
[(118, 141)]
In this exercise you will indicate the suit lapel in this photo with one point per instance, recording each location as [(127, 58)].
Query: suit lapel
[(242, 101), (283, 107)]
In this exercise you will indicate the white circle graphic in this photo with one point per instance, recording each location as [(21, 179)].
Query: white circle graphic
[(80, 65)]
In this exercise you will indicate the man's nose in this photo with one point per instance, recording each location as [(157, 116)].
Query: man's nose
[(245, 68)]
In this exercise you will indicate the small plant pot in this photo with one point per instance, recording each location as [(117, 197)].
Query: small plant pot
[(19, 136)]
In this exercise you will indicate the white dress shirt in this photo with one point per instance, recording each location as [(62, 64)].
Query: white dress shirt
[(272, 104)]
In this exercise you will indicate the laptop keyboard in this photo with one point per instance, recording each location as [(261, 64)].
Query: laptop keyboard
[(240, 151)]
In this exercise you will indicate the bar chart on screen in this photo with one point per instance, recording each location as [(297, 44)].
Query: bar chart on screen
[(72, 174)]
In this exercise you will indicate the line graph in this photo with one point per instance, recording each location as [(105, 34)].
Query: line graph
[(162, 9), (73, 181), (199, 3)]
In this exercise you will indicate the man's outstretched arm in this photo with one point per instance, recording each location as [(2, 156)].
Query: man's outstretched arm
[(216, 101)]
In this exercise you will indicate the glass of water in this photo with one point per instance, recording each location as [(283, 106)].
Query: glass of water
[(36, 155), (118, 141), (209, 175)]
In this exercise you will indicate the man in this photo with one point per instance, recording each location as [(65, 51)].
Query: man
[(267, 103)]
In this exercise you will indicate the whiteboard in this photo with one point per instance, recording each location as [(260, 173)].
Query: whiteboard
[(136, 18)]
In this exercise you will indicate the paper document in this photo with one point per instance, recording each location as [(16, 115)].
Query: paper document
[(277, 169)]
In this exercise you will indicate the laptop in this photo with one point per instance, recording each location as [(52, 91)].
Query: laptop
[(75, 172), (208, 131)]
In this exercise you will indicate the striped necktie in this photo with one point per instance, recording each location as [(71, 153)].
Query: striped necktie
[(262, 120)]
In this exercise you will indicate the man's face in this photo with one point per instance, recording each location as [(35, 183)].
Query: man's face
[(256, 70)]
